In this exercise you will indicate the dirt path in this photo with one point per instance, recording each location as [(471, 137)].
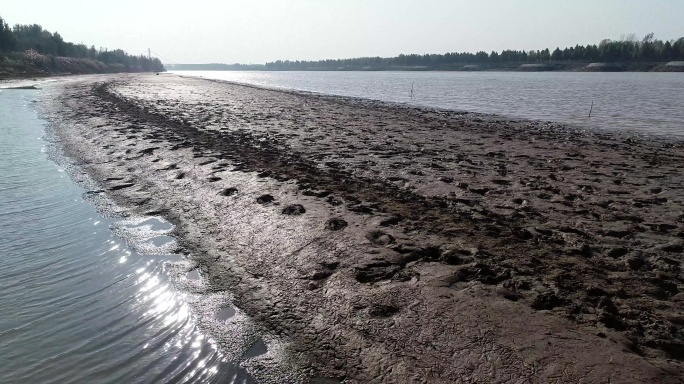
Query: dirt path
[(400, 244)]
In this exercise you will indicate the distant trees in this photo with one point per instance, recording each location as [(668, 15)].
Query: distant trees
[(33, 38), (8, 41), (627, 49)]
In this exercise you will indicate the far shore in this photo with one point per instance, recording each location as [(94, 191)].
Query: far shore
[(473, 67)]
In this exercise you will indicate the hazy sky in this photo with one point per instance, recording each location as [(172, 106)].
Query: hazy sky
[(253, 31)]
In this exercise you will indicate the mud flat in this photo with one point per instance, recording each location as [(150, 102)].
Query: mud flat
[(386, 243)]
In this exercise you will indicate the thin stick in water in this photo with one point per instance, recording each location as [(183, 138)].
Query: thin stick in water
[(592, 108)]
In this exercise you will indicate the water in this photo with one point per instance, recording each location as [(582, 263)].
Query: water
[(80, 302), (651, 103)]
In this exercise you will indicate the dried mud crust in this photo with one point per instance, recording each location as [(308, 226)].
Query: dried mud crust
[(428, 244)]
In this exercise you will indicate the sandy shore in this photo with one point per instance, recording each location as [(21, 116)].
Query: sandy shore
[(386, 243)]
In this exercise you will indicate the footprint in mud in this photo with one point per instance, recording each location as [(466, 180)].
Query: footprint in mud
[(334, 200), (394, 220), (381, 311), (380, 238), (336, 224), (229, 192), (375, 272), (547, 301), (148, 151), (265, 199), (294, 209)]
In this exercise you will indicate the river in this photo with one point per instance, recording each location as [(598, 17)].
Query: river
[(86, 296), (638, 102)]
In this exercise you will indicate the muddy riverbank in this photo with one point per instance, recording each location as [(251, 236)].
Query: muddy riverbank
[(398, 244)]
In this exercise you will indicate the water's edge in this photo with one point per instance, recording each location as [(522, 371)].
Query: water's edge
[(226, 343)]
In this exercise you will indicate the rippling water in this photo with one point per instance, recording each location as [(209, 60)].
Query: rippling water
[(641, 102), (80, 302)]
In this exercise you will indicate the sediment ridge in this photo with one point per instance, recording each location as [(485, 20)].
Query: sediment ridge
[(388, 243)]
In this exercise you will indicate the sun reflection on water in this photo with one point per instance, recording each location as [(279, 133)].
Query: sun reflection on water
[(165, 304)]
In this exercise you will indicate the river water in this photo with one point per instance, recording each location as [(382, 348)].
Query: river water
[(85, 298), (639, 102)]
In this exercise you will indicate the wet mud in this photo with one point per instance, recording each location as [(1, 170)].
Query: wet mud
[(398, 244)]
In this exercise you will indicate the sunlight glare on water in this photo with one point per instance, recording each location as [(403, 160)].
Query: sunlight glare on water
[(79, 302)]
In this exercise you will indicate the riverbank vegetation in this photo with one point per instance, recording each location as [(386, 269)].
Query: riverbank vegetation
[(30, 50), (626, 50), (626, 54)]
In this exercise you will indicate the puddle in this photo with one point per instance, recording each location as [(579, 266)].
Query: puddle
[(147, 235), (156, 224), (193, 275), (225, 313), (161, 241), (257, 349), (153, 224)]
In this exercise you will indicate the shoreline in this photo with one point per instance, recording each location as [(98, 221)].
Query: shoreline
[(381, 231)]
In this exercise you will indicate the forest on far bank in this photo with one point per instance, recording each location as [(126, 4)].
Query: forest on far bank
[(628, 49), (31, 50)]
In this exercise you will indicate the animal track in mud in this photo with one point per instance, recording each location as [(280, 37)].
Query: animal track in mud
[(484, 273), (394, 220), (265, 199), (375, 272), (547, 300), (336, 224), (229, 191), (380, 238), (294, 209), (381, 310)]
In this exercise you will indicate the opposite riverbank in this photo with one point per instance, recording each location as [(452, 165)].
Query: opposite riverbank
[(671, 66), (403, 244)]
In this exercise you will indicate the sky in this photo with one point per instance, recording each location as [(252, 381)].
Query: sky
[(258, 31)]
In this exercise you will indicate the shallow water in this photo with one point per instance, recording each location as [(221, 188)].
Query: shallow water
[(651, 103), (84, 298)]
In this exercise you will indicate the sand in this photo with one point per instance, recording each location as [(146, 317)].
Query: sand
[(387, 243)]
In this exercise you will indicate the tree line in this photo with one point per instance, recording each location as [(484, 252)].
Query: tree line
[(626, 49), (36, 40)]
